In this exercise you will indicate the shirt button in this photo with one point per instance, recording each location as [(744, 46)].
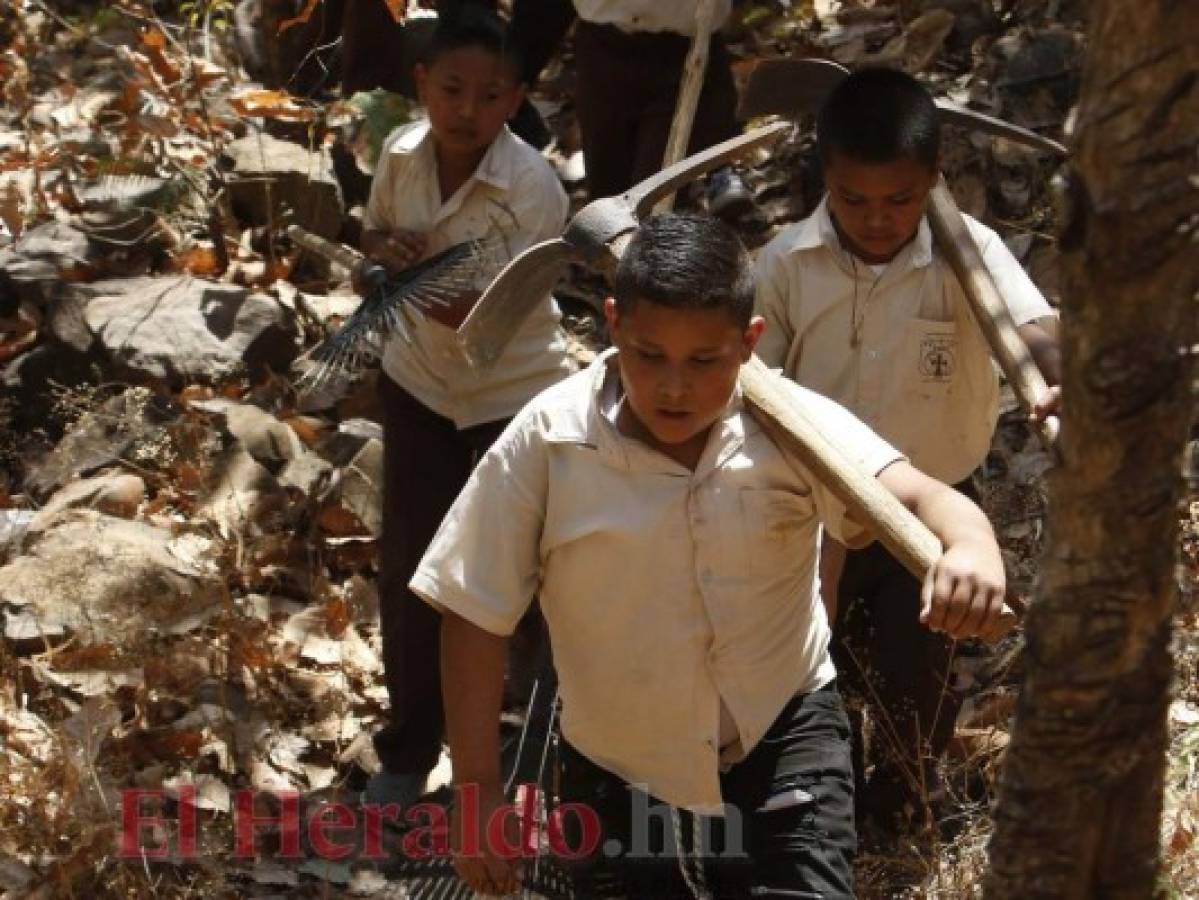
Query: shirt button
[(873, 354)]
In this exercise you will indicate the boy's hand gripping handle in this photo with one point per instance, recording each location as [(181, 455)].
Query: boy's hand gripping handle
[(904, 535)]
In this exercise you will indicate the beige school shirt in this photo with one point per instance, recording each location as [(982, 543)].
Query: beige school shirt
[(897, 346), (513, 192), (667, 592), (677, 16)]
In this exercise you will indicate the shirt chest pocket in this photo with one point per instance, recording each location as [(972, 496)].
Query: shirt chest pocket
[(931, 355), (773, 525)]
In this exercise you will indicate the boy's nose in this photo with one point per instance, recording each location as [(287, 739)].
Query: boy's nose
[(876, 217), (673, 386)]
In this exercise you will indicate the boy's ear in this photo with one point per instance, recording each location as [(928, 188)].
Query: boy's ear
[(420, 74), (751, 336), (611, 316)]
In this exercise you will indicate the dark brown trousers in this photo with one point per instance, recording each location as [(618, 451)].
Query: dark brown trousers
[(627, 87), (426, 462)]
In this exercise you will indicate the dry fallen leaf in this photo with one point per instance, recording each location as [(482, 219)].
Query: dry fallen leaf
[(10, 209), (270, 105)]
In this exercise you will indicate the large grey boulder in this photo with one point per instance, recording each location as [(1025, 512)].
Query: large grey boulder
[(273, 176), (103, 579), (181, 328)]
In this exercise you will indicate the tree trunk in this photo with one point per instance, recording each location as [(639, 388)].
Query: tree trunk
[(1080, 796)]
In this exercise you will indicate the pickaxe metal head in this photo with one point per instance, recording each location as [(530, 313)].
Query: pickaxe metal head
[(791, 87), (590, 237)]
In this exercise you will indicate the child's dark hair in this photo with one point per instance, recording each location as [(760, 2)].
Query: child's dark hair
[(463, 23), (879, 116), (686, 261)]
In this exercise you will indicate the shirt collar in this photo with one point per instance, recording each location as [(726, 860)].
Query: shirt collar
[(817, 230), (595, 429), (496, 168)]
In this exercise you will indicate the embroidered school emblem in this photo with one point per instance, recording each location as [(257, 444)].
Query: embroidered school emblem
[(937, 357)]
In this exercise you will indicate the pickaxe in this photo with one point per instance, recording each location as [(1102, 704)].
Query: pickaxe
[(690, 85), (589, 238), (790, 87), (598, 235)]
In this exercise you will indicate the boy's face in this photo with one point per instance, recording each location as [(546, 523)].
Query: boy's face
[(877, 206), (678, 368), (469, 94)]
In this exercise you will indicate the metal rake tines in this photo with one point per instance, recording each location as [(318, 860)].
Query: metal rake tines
[(434, 282), (440, 278)]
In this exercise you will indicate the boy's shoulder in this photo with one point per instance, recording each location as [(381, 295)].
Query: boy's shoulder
[(405, 139), (526, 164), (563, 411), (809, 233)]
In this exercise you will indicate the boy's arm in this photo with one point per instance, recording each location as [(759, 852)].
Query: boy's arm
[(1027, 305), (964, 591), (382, 240), (1047, 354), (472, 677), (480, 572)]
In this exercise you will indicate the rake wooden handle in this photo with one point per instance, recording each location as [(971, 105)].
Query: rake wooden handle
[(992, 314), (904, 535), (330, 250)]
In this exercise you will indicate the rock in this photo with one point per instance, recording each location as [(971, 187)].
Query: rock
[(972, 19), (353, 504), (305, 473), (32, 268), (101, 579), (102, 436), (116, 494), (242, 493), (180, 328), (14, 523), (1039, 56), (924, 38), (269, 441), (272, 175), (273, 444)]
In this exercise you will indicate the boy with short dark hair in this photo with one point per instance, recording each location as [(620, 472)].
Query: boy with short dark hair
[(673, 548), (862, 308), (461, 175)]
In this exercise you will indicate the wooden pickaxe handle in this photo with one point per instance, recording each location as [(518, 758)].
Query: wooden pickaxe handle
[(872, 505), (690, 86), (986, 303)]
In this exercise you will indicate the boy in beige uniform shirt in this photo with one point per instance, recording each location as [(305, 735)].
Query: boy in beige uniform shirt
[(861, 308), (673, 549), (461, 175)]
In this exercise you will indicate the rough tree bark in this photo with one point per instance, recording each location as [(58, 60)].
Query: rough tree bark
[(1080, 796)]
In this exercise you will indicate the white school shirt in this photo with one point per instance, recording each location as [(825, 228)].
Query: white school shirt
[(514, 188), (921, 373), (677, 16), (668, 593)]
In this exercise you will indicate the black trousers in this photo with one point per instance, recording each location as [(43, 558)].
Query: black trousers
[(801, 848), (426, 462), (898, 670), (627, 88)]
